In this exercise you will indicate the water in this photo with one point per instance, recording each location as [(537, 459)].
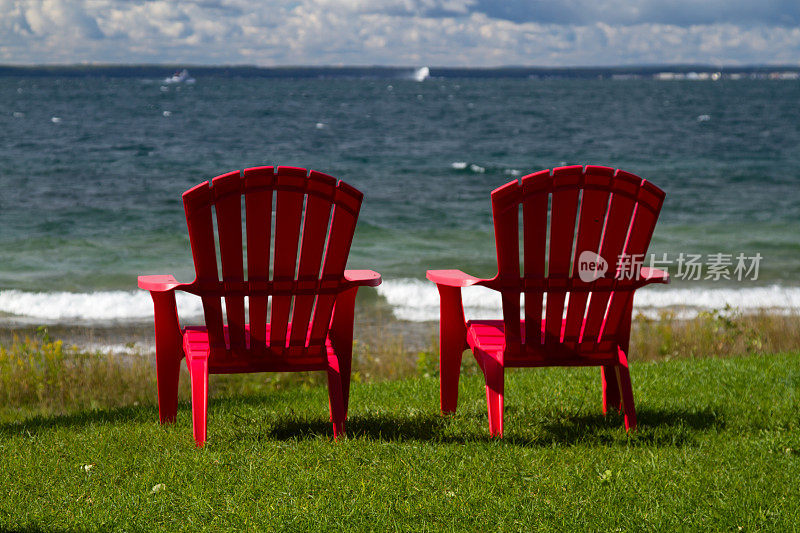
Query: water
[(92, 169)]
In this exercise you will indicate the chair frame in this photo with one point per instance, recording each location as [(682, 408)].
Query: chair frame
[(306, 291), (608, 212)]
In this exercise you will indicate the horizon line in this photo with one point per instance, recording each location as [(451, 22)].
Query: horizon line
[(636, 66)]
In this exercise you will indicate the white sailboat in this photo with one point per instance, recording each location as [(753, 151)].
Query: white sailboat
[(180, 76)]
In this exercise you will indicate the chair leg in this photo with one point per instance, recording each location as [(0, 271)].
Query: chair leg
[(336, 400), (449, 374), (624, 377), (494, 374), (345, 362), (198, 370), (169, 353), (341, 333), (452, 343), (611, 390), (168, 369)]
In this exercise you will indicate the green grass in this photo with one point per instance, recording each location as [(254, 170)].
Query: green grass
[(718, 448)]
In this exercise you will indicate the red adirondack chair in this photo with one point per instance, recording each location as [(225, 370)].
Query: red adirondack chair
[(577, 306), (312, 296)]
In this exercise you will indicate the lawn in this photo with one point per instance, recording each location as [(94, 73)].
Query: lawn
[(717, 448)]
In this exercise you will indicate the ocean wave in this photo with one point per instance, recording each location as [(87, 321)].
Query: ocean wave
[(134, 348), (417, 300), (486, 168), (94, 306), (410, 299), (472, 167)]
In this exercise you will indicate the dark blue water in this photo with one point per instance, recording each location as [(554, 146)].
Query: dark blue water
[(92, 169)]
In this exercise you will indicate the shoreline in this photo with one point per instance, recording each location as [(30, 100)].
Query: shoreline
[(383, 350), (139, 337), (377, 330)]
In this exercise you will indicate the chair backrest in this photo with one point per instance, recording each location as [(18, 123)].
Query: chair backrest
[(298, 227), (568, 216)]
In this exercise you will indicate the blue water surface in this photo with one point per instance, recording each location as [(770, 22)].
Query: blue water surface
[(92, 169)]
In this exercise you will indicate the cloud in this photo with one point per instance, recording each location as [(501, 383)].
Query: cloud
[(681, 13), (400, 32)]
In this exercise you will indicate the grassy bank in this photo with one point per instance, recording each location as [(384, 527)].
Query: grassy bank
[(718, 448), (722, 333), (40, 374)]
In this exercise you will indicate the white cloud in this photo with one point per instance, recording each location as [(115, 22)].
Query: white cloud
[(394, 32)]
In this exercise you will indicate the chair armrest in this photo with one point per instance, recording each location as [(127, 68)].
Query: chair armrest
[(160, 283), (653, 275), (341, 331), (366, 278), (452, 278), (169, 338)]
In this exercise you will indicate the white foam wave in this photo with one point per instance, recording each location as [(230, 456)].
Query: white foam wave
[(94, 306), (410, 299), (773, 297), (417, 300), (463, 165), (119, 349), (477, 169)]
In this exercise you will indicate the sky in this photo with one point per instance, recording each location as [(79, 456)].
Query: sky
[(467, 33)]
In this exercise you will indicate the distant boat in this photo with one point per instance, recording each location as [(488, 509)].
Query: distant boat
[(421, 74), (180, 76)]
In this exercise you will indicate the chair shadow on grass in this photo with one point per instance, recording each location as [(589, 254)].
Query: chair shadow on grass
[(672, 427), (39, 423), (657, 427)]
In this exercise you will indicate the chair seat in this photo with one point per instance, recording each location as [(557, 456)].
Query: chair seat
[(250, 358), (487, 338)]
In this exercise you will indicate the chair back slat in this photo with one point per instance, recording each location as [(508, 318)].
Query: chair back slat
[(593, 209), (643, 222), (197, 203), (227, 191), (313, 215), (347, 204), (290, 186), (320, 189), (563, 212), (625, 188), (258, 188), (535, 192), (594, 204), (505, 211)]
